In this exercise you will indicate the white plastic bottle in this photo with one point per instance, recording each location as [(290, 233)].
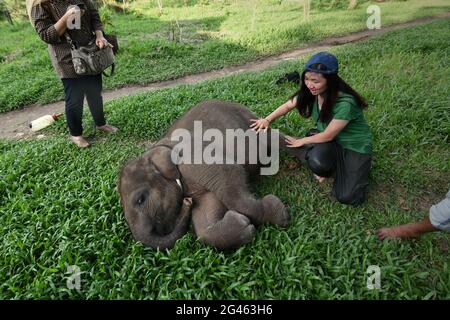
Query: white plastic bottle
[(42, 122)]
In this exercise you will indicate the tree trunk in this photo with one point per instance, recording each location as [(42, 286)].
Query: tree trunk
[(8, 16), (306, 7), (352, 4), (160, 7)]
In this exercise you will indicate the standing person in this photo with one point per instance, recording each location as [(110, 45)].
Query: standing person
[(438, 219), (341, 144), (75, 86)]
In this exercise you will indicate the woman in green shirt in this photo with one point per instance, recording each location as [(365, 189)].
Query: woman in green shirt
[(342, 143)]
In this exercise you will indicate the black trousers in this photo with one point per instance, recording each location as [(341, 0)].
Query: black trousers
[(350, 168), (75, 89)]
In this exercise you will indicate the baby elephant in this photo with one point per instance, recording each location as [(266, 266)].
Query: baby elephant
[(161, 196)]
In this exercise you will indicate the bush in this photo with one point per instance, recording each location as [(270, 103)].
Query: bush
[(332, 4), (17, 8), (4, 13), (106, 16), (113, 5)]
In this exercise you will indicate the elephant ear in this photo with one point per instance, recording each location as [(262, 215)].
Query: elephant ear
[(161, 159)]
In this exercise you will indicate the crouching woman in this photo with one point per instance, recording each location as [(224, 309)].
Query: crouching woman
[(341, 143)]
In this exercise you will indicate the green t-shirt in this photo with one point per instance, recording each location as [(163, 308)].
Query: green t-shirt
[(356, 134)]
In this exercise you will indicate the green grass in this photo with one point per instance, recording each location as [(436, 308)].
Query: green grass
[(212, 37), (59, 205)]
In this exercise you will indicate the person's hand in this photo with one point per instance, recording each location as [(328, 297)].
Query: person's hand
[(101, 42), (71, 13), (294, 143), (259, 124)]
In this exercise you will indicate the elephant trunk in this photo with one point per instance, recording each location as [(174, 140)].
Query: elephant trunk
[(154, 240)]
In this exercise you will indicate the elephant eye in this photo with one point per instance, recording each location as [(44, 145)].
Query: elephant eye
[(141, 198)]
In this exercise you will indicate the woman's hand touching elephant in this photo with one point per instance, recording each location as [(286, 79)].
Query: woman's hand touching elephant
[(294, 142), (259, 124)]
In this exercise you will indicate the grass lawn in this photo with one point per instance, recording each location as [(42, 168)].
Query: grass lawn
[(208, 37), (59, 206)]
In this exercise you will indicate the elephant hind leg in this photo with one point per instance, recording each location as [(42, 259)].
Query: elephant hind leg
[(274, 211), (215, 225), (231, 232), (270, 209)]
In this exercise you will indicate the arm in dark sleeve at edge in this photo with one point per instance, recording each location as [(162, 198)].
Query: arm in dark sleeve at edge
[(44, 25), (96, 23)]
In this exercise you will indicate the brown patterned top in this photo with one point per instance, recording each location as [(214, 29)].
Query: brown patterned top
[(58, 47)]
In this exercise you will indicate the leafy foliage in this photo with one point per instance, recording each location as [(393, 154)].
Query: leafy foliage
[(4, 12)]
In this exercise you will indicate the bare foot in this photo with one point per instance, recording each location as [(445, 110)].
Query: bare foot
[(108, 128), (274, 211), (320, 179), (410, 230), (79, 141)]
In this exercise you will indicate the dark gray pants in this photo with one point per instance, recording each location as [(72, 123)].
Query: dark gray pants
[(75, 89), (350, 169)]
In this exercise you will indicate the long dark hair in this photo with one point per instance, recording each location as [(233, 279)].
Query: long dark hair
[(305, 99)]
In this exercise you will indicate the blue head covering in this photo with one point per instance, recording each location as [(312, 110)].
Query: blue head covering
[(322, 62)]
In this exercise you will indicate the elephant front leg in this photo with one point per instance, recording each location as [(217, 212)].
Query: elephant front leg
[(215, 225)]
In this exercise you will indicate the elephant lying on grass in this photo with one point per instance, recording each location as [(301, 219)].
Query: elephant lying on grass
[(161, 198)]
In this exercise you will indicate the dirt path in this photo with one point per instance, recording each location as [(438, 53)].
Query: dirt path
[(14, 124)]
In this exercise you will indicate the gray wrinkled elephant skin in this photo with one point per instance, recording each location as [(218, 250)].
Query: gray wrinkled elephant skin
[(161, 198)]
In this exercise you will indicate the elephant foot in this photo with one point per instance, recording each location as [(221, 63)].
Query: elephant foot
[(239, 226), (233, 231), (274, 211)]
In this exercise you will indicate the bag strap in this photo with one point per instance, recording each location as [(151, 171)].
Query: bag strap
[(111, 73), (50, 7)]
